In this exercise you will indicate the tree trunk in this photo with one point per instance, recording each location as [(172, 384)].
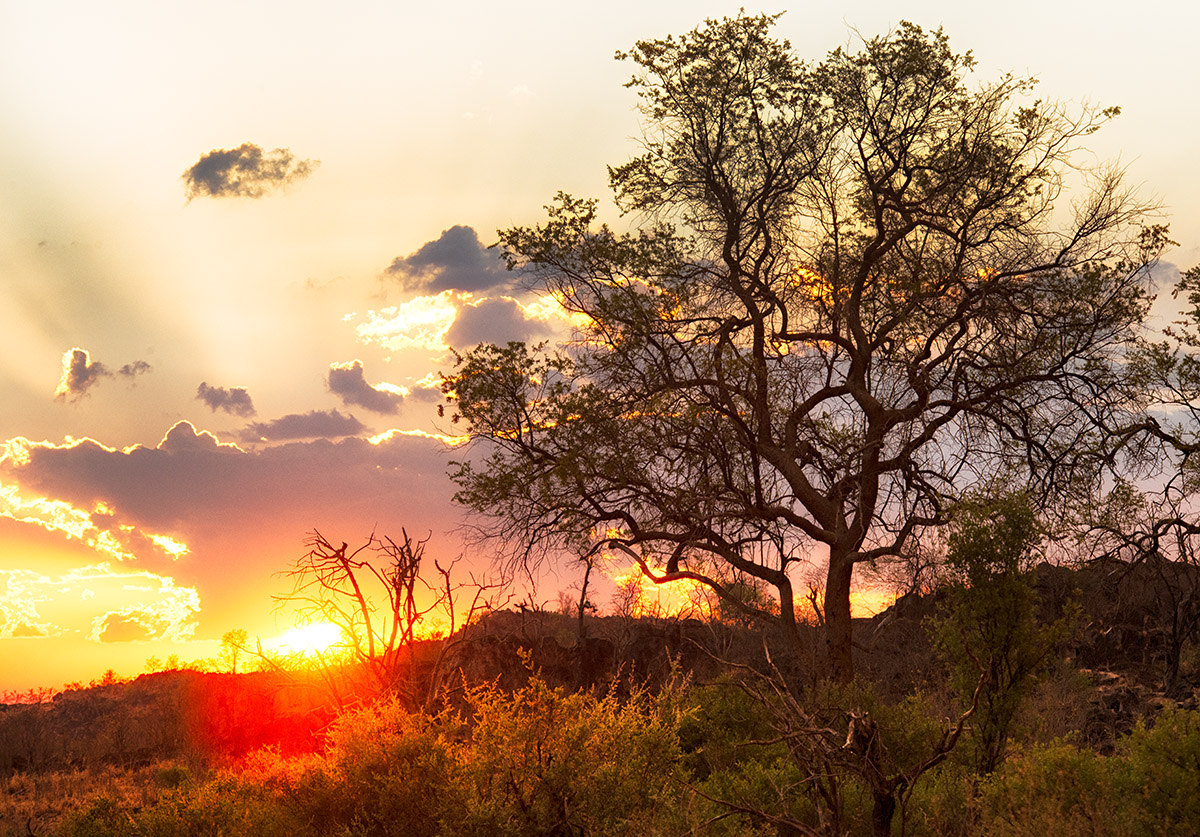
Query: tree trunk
[(838, 627), (882, 812)]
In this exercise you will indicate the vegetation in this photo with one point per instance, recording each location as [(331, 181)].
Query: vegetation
[(689, 758), (992, 644), (852, 296), (685, 727), (845, 324)]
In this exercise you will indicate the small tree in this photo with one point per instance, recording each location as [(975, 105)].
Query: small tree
[(990, 629), (233, 646)]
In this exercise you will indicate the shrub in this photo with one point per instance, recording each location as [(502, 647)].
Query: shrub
[(1160, 772), (1055, 790), (545, 762)]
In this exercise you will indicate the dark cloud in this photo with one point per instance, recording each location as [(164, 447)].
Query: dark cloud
[(235, 400), (132, 370), (79, 374), (244, 172), (457, 261), (211, 494), (1165, 275), (25, 629), (316, 424), (118, 529), (348, 382), (493, 321), (428, 391)]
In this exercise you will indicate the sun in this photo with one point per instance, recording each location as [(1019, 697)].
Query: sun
[(311, 639)]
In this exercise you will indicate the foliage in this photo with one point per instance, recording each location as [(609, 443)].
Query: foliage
[(725, 758), (842, 302), (539, 761), (1056, 790), (989, 637), (835, 760), (545, 762), (1160, 770), (1147, 789)]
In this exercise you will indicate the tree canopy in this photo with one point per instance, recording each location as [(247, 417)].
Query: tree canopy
[(853, 291)]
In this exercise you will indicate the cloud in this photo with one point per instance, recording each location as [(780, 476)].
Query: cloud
[(456, 261), (102, 530), (434, 323), (243, 514), (1165, 275), (315, 424), (171, 616), (494, 321), (131, 604), (184, 437), (427, 390), (245, 172), (420, 323), (132, 370), (116, 627), (348, 382), (247, 509), (191, 481), (79, 374), (235, 401)]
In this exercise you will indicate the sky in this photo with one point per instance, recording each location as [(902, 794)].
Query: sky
[(238, 240)]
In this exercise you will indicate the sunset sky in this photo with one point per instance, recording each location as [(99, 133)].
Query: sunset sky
[(197, 371)]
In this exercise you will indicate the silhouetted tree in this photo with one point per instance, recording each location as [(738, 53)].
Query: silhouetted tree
[(851, 293), (233, 646), (378, 598)]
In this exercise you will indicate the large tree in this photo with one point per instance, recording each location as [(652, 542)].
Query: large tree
[(852, 291)]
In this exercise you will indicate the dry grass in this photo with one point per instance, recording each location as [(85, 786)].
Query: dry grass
[(35, 803)]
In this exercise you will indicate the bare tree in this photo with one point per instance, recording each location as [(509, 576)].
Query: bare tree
[(378, 598), (852, 293)]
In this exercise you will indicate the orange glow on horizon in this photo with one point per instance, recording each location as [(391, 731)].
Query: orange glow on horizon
[(866, 602)]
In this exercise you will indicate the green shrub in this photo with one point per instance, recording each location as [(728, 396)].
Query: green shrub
[(174, 776), (714, 733), (1160, 772), (943, 801), (102, 818), (542, 761), (397, 772), (1055, 790)]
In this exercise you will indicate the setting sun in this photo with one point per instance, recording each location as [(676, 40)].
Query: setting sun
[(311, 639)]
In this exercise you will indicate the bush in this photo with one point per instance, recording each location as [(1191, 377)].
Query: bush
[(545, 762), (1055, 790), (1160, 772), (538, 761)]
